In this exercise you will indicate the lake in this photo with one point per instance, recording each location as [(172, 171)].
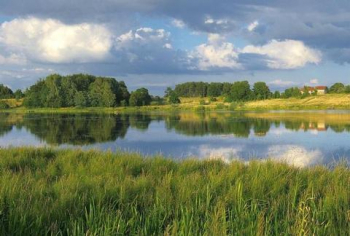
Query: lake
[(299, 138)]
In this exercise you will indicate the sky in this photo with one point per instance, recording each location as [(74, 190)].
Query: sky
[(160, 43)]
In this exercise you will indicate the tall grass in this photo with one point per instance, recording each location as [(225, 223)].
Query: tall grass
[(71, 192)]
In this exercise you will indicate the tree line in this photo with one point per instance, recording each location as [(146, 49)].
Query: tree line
[(243, 91), (82, 90)]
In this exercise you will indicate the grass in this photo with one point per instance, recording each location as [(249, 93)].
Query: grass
[(322, 102), (71, 192)]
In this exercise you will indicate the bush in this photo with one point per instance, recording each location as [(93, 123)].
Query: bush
[(220, 106), (201, 102), (212, 99), (228, 99), (4, 105)]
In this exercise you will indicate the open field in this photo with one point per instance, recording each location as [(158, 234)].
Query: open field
[(322, 102), (66, 192), (328, 101)]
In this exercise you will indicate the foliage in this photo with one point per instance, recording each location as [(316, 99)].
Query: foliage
[(261, 91), (277, 94), (4, 105), (291, 92), (337, 88), (192, 89), (140, 97), (5, 92), (172, 96), (347, 89), (215, 89), (18, 94), (76, 90), (94, 193), (240, 91)]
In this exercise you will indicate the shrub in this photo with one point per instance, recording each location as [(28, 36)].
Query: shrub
[(4, 105), (220, 106)]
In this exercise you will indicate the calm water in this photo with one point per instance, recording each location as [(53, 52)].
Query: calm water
[(303, 138)]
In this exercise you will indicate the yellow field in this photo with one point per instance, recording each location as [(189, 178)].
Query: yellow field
[(329, 101), (13, 102)]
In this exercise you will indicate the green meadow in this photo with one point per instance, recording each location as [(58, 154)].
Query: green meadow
[(72, 192)]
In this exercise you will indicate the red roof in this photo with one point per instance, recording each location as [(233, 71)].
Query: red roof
[(321, 87)]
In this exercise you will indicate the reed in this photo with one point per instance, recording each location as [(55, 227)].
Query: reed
[(72, 192)]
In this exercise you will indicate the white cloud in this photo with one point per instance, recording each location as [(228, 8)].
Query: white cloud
[(314, 81), (52, 41), (178, 23), (143, 36), (287, 54), (295, 155), (280, 82), (216, 53), (225, 154), (251, 27)]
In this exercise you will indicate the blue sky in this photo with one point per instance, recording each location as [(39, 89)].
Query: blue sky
[(159, 43)]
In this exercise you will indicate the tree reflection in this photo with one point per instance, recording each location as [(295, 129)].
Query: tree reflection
[(84, 129)]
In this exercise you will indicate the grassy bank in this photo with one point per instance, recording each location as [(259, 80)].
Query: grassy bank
[(322, 102), (44, 191)]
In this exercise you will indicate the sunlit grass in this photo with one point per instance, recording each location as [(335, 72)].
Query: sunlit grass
[(67, 192)]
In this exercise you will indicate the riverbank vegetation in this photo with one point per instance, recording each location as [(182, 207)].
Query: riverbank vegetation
[(67, 192), (80, 91)]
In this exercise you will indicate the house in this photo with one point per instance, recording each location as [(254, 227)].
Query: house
[(320, 90)]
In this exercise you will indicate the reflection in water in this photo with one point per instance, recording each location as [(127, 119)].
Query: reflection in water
[(288, 137), (80, 129)]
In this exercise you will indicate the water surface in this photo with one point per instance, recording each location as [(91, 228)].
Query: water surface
[(299, 138)]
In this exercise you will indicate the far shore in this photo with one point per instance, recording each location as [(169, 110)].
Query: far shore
[(321, 102)]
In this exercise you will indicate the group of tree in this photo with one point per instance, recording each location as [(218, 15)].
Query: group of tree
[(7, 93), (78, 90), (242, 90), (339, 88), (202, 89), (237, 91)]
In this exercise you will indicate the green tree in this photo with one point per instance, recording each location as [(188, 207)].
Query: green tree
[(261, 90), (337, 88), (81, 99), (240, 91), (5, 92), (173, 98), (347, 89), (18, 94), (214, 89), (140, 97), (277, 94)]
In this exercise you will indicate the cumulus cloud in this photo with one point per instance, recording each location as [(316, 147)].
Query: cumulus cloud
[(226, 154), (148, 50), (216, 53), (287, 54), (251, 27), (52, 41), (178, 23), (295, 155), (282, 83), (314, 81)]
